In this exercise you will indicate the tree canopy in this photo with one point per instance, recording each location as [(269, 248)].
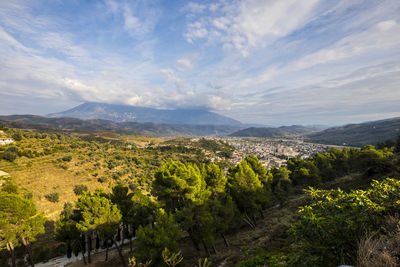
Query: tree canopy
[(20, 222)]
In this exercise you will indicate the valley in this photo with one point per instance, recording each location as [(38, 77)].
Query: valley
[(58, 167)]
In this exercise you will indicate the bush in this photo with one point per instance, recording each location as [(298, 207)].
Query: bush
[(102, 179), (52, 197), (17, 136), (10, 188), (13, 149), (10, 156), (63, 166), (334, 221), (254, 261), (67, 158), (79, 189)]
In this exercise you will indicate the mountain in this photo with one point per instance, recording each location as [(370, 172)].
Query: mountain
[(124, 113), (98, 125), (358, 134), (283, 131)]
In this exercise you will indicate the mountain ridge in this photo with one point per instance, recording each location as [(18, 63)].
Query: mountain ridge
[(125, 113), (358, 134), (99, 125), (271, 132)]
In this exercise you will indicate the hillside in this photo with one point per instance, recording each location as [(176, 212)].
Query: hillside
[(270, 132), (255, 219), (48, 162), (99, 125), (358, 134), (124, 113)]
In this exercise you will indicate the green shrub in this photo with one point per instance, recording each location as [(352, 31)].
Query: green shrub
[(79, 189), (28, 195), (257, 261), (67, 158), (334, 221), (102, 179), (10, 188), (17, 136), (10, 156), (52, 197), (63, 166)]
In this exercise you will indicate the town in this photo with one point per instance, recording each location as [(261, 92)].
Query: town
[(272, 152)]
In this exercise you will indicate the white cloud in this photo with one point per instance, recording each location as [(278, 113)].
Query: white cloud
[(139, 17), (184, 64), (361, 94), (179, 94), (7, 38), (17, 15), (254, 23), (380, 37), (62, 43), (194, 7), (218, 102), (196, 30), (131, 23), (112, 5)]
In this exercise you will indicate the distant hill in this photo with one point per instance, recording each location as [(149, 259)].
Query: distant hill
[(271, 132), (124, 113), (97, 125), (358, 134)]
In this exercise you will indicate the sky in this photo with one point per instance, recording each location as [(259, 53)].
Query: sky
[(271, 62)]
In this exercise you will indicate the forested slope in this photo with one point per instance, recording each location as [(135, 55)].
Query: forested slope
[(271, 132), (101, 125), (358, 134)]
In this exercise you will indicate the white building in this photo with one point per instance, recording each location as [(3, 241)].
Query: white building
[(6, 141)]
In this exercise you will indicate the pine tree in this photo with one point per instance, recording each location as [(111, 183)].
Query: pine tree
[(151, 240), (99, 215), (65, 229), (214, 178), (20, 223), (177, 184), (247, 191)]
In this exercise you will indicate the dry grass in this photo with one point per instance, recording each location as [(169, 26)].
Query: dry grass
[(43, 177), (383, 251), (247, 242), (138, 140), (44, 174)]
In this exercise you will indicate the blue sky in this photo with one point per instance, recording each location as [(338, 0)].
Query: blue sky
[(274, 62)]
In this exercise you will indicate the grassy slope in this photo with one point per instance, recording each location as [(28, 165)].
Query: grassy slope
[(135, 157), (44, 174), (42, 178)]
